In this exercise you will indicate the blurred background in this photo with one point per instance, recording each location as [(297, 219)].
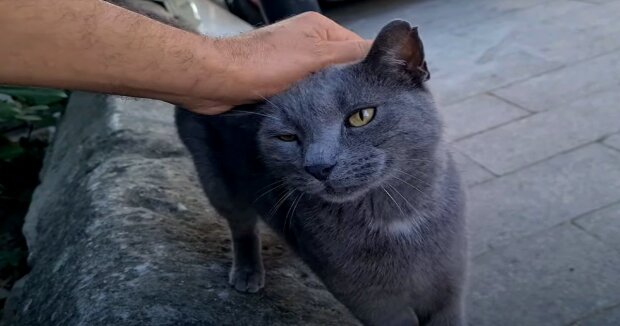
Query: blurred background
[(529, 91)]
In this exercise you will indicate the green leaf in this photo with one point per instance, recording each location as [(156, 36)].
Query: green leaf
[(6, 110), (46, 121), (27, 117), (9, 151), (34, 96), (7, 114), (37, 108)]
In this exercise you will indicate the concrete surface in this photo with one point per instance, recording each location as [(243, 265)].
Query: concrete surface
[(530, 93)]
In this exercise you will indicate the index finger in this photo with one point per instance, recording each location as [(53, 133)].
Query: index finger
[(346, 51), (335, 32)]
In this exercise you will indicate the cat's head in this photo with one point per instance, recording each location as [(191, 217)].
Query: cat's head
[(348, 129)]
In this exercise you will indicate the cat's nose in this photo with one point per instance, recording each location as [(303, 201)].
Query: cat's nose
[(319, 171)]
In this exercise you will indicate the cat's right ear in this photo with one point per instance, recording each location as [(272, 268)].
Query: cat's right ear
[(398, 49)]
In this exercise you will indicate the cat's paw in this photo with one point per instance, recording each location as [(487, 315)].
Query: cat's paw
[(247, 278)]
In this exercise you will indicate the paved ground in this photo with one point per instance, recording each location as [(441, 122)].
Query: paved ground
[(530, 93)]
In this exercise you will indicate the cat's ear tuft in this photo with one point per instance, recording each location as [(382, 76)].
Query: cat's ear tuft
[(399, 46)]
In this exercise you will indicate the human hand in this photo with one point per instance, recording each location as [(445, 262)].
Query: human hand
[(268, 60)]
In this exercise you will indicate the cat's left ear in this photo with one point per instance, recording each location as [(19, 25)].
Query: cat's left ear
[(398, 48)]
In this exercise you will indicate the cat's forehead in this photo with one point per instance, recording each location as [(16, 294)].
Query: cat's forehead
[(331, 90)]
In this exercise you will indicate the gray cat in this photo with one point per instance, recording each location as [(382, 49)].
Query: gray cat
[(349, 167)]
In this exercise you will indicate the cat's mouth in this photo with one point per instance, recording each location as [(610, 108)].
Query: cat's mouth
[(341, 194)]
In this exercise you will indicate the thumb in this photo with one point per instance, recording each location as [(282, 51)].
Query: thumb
[(346, 51), (209, 109)]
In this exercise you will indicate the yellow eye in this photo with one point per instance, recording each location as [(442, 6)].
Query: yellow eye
[(361, 117), (289, 137)]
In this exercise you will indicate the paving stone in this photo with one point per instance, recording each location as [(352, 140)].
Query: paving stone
[(366, 17), (551, 278), (543, 195), (470, 76), (458, 64), (477, 114), (554, 90), (565, 31), (598, 1), (613, 141), (535, 138), (604, 224), (607, 317), (471, 172)]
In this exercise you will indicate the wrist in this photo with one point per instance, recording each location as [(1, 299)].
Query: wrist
[(239, 75), (217, 75)]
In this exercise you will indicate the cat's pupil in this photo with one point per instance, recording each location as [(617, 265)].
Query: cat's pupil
[(361, 115)]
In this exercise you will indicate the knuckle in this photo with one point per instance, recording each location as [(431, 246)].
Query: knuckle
[(312, 16), (361, 48), (322, 53)]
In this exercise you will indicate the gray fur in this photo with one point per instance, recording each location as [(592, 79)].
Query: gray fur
[(385, 231)]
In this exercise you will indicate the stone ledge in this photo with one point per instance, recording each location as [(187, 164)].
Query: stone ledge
[(120, 233)]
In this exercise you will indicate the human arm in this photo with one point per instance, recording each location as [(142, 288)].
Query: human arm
[(95, 46)]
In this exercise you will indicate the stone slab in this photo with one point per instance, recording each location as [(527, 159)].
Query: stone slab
[(560, 31), (471, 172), (366, 17), (477, 114), (603, 224), (556, 90), (507, 208), (613, 141), (540, 136), (460, 65), (551, 278), (476, 74), (607, 317)]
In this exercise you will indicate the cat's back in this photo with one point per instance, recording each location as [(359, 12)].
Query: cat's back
[(225, 153)]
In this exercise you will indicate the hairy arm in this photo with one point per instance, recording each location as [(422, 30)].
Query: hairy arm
[(95, 46)]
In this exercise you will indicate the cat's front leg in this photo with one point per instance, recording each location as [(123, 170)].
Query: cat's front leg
[(247, 273)]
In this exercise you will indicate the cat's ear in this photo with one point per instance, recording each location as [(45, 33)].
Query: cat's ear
[(399, 47)]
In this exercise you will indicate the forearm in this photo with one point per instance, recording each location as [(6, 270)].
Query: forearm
[(95, 46), (92, 45)]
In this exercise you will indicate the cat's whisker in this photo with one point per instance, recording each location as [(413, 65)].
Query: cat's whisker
[(232, 113), (392, 198), (292, 211), (401, 195), (279, 203), (268, 191), (288, 212), (413, 160), (413, 176), (405, 199), (410, 185), (271, 184), (268, 101)]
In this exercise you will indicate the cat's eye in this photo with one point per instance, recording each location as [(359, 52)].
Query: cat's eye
[(361, 117), (287, 137)]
